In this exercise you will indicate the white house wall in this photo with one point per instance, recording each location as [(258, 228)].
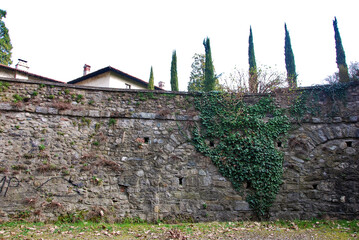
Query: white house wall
[(102, 80), (117, 81), (7, 73)]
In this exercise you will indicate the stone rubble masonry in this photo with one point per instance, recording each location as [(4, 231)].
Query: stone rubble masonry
[(113, 154)]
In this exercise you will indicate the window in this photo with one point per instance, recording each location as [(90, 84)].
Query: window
[(128, 86)]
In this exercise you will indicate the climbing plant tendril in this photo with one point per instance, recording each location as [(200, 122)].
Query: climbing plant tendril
[(241, 141)]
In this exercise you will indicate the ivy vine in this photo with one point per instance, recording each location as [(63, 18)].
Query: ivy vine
[(241, 141), (308, 100)]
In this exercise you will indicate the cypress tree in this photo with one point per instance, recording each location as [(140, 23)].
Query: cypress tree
[(289, 60), (209, 78), (253, 76), (151, 82), (341, 63), (174, 78)]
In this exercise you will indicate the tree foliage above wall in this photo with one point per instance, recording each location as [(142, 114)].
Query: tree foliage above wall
[(5, 42)]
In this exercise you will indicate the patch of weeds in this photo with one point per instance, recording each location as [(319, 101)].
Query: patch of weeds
[(51, 96), (97, 126), (112, 122), (41, 85), (17, 127), (79, 97), (42, 147), (150, 95), (17, 98), (141, 97), (22, 214), (19, 167), (66, 91), (73, 217), (34, 93), (3, 170), (65, 172), (4, 86), (96, 143), (91, 102), (169, 95), (92, 135), (85, 121), (61, 133), (72, 143)]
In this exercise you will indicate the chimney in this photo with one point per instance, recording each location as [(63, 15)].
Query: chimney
[(87, 69), (161, 84), (22, 65)]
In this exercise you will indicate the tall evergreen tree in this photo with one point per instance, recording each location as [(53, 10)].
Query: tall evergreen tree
[(289, 60), (151, 82), (209, 77), (5, 42), (253, 76), (341, 63), (174, 78)]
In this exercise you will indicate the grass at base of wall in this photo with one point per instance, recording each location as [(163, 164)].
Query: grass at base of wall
[(313, 229)]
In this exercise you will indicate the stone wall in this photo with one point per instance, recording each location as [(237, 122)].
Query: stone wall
[(111, 154)]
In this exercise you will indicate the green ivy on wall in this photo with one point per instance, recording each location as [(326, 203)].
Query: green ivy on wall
[(241, 141), (308, 101)]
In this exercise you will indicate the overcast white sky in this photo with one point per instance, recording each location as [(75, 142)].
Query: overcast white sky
[(58, 37)]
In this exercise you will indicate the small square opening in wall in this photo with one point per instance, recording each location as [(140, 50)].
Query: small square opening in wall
[(211, 143), (180, 180), (147, 139), (349, 143), (279, 144)]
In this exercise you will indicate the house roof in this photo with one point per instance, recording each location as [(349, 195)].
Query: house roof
[(30, 74), (114, 70)]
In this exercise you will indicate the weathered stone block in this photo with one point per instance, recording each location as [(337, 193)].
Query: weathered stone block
[(241, 206)]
